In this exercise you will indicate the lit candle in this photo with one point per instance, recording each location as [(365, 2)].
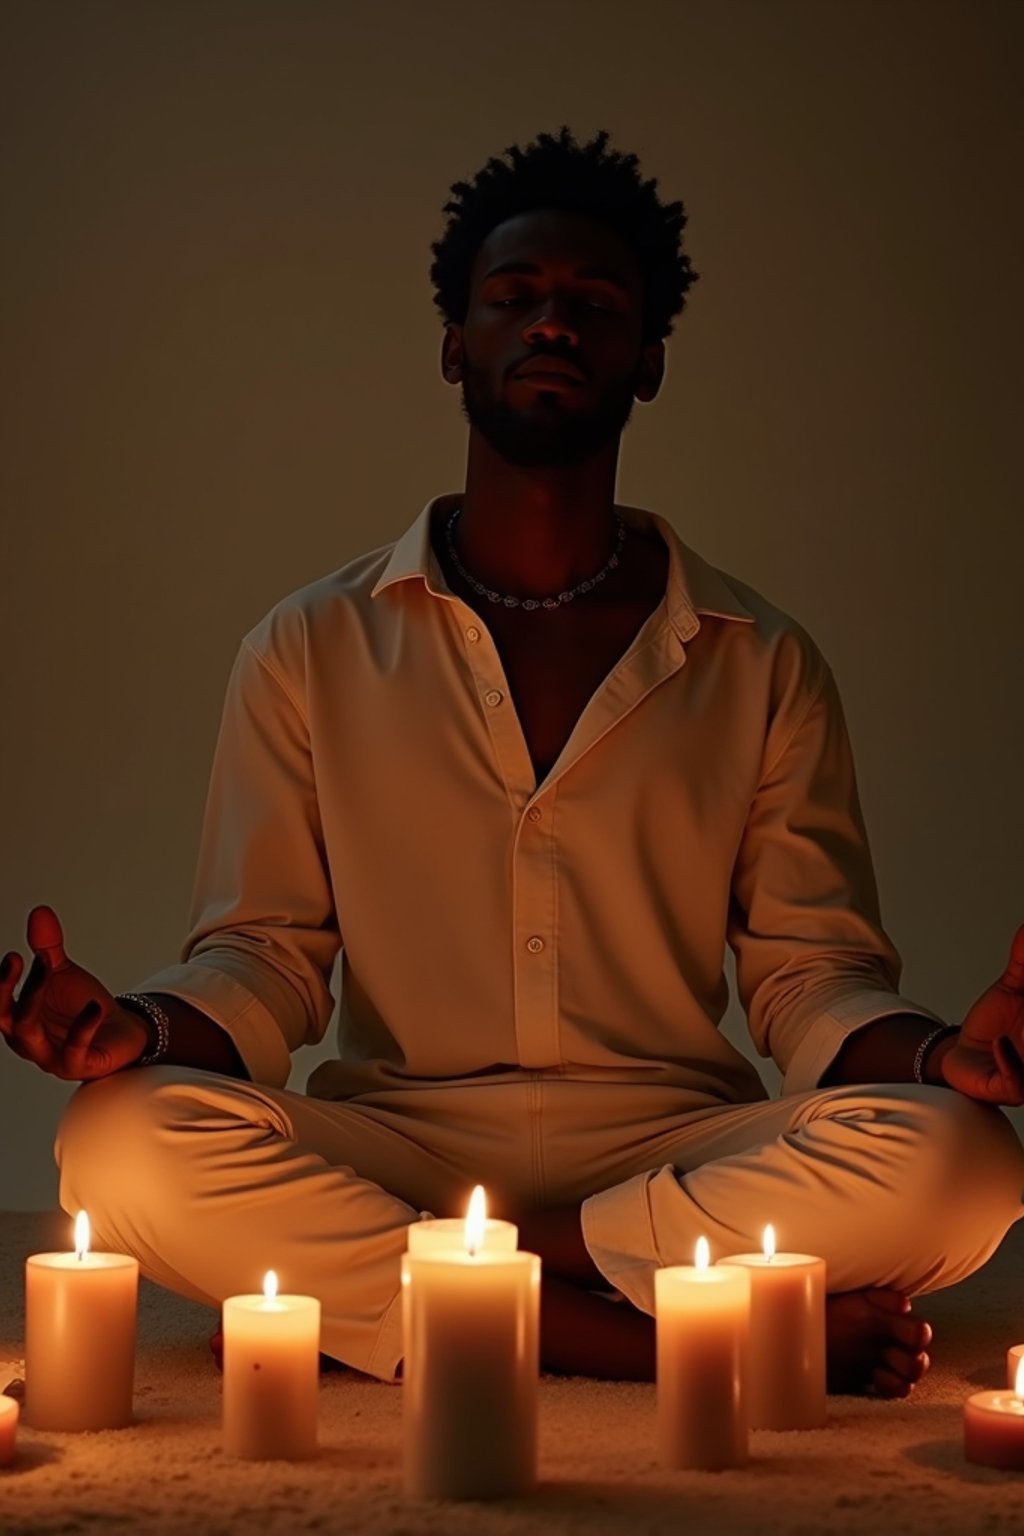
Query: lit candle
[(786, 1381), (271, 1375), (8, 1428), (703, 1322), (442, 1234), (994, 1427), (470, 1318), (1014, 1356), (80, 1311)]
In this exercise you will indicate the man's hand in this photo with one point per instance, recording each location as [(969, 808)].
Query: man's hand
[(986, 1059), (64, 1019)]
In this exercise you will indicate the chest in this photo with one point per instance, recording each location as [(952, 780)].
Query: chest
[(553, 672)]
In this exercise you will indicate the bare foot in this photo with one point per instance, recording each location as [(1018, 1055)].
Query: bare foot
[(874, 1344)]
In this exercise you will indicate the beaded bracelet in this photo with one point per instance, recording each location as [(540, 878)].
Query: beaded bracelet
[(154, 1015), (926, 1045)]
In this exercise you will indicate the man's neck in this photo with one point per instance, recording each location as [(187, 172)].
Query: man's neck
[(526, 531)]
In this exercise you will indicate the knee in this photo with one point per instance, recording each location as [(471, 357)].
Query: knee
[(967, 1182), (970, 1152), (103, 1138)]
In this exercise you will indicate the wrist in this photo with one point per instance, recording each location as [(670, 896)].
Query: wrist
[(154, 1022), (935, 1054)]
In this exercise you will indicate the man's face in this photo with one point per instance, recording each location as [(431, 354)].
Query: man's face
[(575, 295)]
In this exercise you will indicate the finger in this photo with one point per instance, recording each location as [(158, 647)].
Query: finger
[(78, 1044), (1013, 976), (46, 937), (10, 969), (1011, 1069), (26, 1002), (30, 1040)]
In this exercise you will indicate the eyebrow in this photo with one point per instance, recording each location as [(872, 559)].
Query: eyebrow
[(531, 269)]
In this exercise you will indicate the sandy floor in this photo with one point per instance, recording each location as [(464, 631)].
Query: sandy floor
[(875, 1467)]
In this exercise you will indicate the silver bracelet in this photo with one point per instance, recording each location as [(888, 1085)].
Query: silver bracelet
[(154, 1014), (926, 1045)]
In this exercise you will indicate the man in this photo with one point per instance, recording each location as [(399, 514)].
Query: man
[(531, 768)]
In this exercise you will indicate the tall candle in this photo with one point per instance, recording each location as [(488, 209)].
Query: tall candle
[(472, 1357), (703, 1322), (80, 1311), (8, 1428), (994, 1427), (271, 1375), (786, 1382)]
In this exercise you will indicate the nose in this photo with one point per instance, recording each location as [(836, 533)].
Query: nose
[(551, 323)]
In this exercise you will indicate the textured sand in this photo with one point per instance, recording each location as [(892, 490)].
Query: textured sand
[(876, 1467)]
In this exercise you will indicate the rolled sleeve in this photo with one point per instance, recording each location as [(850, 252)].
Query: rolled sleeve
[(813, 963), (263, 932)]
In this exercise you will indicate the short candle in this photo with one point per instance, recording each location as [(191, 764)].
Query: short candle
[(80, 1311), (786, 1385), (271, 1375), (994, 1427), (703, 1322), (470, 1321), (8, 1428)]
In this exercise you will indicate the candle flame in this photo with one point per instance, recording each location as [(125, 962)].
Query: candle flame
[(476, 1220), (702, 1253), (81, 1235), (769, 1241), (270, 1285), (1018, 1384)]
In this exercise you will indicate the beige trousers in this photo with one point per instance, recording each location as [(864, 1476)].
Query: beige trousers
[(210, 1181)]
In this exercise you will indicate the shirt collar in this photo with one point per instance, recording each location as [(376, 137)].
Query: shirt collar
[(693, 587)]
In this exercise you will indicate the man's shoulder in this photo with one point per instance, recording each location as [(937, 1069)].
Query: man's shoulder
[(346, 589), (771, 636)]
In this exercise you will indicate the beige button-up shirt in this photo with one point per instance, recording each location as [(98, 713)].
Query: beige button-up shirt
[(372, 790)]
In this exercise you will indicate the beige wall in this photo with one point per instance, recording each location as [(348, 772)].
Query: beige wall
[(221, 358)]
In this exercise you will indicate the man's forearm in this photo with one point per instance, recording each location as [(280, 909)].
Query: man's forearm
[(884, 1052), (196, 1041)]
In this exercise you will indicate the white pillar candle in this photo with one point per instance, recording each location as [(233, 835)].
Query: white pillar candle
[(703, 1321), (80, 1311), (786, 1370), (472, 1359), (994, 1427), (1014, 1356), (8, 1428), (271, 1375)]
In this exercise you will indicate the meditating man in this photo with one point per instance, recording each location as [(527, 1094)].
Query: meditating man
[(530, 769)]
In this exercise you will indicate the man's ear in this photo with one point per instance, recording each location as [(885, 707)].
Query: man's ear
[(451, 354), (652, 371)]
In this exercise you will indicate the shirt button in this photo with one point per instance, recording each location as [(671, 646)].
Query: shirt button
[(533, 814), (472, 633), (493, 698), (535, 945)]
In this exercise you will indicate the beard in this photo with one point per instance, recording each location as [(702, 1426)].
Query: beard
[(546, 433)]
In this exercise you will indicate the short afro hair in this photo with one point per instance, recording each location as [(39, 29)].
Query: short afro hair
[(559, 173)]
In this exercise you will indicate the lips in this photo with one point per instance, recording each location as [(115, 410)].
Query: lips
[(551, 366)]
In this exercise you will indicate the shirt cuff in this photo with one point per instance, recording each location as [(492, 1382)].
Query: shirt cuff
[(832, 1028), (252, 1027), (619, 1237)]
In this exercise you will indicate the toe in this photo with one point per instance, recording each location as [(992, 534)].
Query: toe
[(911, 1367)]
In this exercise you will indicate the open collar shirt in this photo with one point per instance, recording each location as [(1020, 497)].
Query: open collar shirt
[(372, 792)]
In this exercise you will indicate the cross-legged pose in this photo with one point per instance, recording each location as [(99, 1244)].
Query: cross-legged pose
[(530, 769)]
